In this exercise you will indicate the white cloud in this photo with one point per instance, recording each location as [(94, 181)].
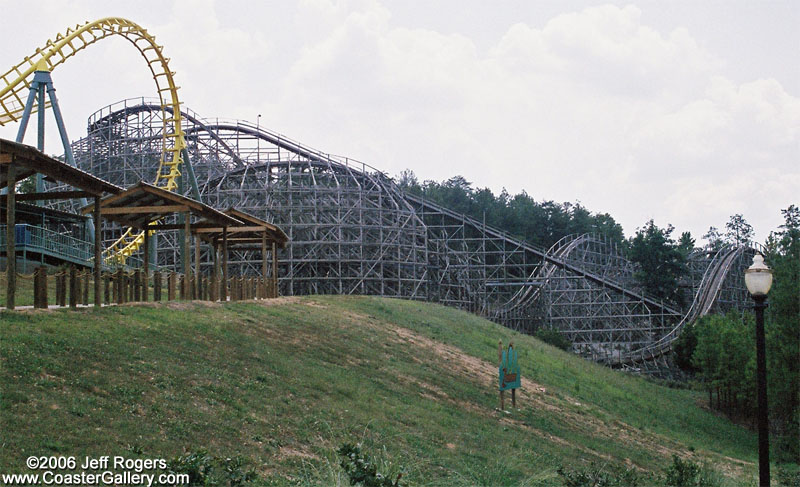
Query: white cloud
[(596, 105)]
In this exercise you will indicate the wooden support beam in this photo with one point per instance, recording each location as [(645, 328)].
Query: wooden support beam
[(11, 251), (224, 291), (274, 270), (146, 266), (264, 259), (197, 283), (55, 195), (98, 261), (130, 210), (232, 229), (181, 226), (187, 258), (215, 271)]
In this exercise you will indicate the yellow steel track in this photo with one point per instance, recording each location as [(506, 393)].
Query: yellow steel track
[(17, 81)]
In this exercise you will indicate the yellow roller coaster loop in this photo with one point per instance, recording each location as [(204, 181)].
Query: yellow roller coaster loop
[(16, 82)]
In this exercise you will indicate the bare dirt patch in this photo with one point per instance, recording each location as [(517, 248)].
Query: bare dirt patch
[(287, 452)]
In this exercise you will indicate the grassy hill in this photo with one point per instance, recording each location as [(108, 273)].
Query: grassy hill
[(284, 383)]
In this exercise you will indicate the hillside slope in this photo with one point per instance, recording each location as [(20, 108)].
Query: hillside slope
[(285, 382)]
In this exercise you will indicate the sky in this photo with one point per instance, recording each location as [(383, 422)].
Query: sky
[(683, 112)]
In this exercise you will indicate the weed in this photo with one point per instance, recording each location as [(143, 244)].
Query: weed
[(362, 470)]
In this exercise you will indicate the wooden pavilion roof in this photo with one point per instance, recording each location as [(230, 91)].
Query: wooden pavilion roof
[(143, 204), (28, 161), (250, 232)]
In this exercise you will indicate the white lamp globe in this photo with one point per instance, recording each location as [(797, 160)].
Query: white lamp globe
[(758, 277)]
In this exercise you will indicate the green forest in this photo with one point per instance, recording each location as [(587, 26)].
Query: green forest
[(717, 352)]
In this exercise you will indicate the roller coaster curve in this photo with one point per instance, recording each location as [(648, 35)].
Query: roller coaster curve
[(56, 51)]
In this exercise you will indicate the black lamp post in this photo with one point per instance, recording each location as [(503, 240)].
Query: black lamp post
[(758, 279)]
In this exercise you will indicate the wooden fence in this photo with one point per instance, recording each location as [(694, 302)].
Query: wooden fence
[(72, 286)]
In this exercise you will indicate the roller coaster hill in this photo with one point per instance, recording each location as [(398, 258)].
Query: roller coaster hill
[(352, 230)]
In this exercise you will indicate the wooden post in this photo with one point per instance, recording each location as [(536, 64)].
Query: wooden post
[(137, 286), (73, 291), (215, 271), (274, 270), (63, 301), (264, 259), (197, 283), (11, 251), (182, 286), (98, 263), (106, 296), (224, 291), (146, 266), (156, 286), (40, 287), (120, 286), (59, 278), (85, 295), (37, 288), (187, 257), (171, 286)]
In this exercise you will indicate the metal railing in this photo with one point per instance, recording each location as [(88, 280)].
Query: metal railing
[(37, 239)]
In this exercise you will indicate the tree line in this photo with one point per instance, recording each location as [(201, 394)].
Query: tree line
[(539, 223)]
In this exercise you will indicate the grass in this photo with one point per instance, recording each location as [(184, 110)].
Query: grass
[(284, 384)]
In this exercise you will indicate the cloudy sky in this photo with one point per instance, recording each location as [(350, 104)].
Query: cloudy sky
[(684, 112)]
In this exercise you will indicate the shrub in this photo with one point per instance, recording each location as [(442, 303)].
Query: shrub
[(205, 470), (554, 338), (362, 470), (685, 473), (789, 475), (600, 477)]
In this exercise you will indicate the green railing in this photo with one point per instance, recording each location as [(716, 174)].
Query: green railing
[(37, 239)]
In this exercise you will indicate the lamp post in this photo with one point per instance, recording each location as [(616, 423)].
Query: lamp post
[(758, 279)]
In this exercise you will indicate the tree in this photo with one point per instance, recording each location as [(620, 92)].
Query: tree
[(660, 262), (686, 243), (407, 181), (738, 232), (541, 223), (713, 239), (783, 331)]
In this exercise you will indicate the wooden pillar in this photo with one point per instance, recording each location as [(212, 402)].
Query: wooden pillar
[(215, 271), (264, 262), (85, 295), (170, 286), (187, 258), (137, 285), (40, 287), (106, 296), (224, 291), (274, 270), (197, 281), (73, 287), (11, 251), (156, 286), (146, 266), (98, 263), (120, 286)]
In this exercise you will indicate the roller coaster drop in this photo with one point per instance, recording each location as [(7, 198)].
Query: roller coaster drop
[(353, 231)]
